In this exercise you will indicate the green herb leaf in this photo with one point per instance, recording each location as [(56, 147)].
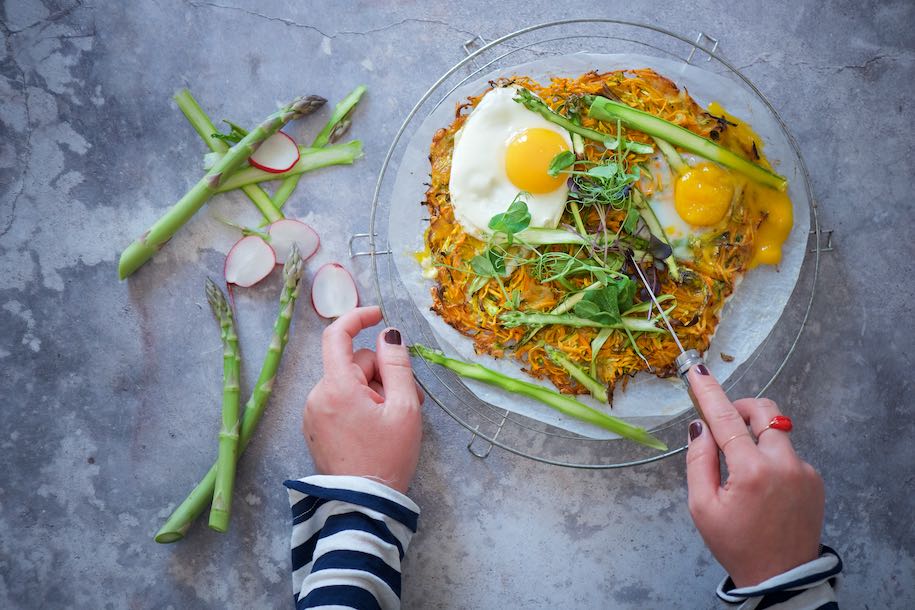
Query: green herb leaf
[(514, 220), (482, 266), (608, 171), (605, 304), (560, 162), (632, 220), (625, 295), (488, 264)]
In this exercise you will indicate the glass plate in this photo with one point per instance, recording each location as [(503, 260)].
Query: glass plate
[(489, 424)]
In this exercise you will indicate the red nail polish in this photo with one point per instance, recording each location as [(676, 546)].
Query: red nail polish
[(695, 429), (392, 337)]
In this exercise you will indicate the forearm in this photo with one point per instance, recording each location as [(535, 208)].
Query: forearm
[(348, 541)]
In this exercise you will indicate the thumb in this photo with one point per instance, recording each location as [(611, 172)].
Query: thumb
[(395, 371), (703, 476)]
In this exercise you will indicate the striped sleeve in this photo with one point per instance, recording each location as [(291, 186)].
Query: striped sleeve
[(806, 587), (349, 536)]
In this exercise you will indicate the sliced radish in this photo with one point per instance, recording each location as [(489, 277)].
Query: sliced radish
[(333, 291), (249, 261), (284, 233), (276, 154)]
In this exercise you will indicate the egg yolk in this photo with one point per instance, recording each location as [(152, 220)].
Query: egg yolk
[(528, 156), (778, 218), (702, 195)]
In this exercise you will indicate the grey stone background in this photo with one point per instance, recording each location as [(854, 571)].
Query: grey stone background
[(111, 388)]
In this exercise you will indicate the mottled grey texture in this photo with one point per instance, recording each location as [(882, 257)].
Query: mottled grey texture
[(112, 389)]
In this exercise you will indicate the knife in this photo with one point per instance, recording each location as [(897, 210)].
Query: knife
[(688, 358)]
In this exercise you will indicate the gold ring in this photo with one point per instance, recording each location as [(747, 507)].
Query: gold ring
[(725, 443)]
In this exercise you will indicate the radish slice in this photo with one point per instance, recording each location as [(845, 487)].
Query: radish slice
[(249, 261), (333, 291), (284, 233), (276, 154)]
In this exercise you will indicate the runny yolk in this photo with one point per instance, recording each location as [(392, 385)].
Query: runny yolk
[(528, 157), (702, 195), (773, 207), (778, 217)]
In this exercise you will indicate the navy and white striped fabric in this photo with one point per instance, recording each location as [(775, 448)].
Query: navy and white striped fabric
[(805, 587), (349, 536)]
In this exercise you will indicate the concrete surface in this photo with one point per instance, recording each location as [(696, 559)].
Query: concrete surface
[(111, 387)]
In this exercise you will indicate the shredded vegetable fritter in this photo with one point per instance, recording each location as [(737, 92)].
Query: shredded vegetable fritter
[(538, 279)]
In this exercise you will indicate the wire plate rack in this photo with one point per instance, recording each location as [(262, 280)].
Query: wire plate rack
[(489, 425)]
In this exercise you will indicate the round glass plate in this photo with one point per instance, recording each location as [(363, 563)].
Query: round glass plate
[(489, 424)]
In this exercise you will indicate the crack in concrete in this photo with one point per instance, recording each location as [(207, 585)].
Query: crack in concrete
[(305, 26), (49, 19), (868, 63), (28, 128)]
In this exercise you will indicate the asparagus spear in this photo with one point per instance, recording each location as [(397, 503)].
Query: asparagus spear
[(309, 159), (195, 503), (335, 128), (228, 434), (603, 109), (206, 130), (597, 389), (512, 319), (149, 243), (562, 403), (610, 142)]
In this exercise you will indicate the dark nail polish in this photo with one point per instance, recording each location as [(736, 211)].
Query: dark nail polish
[(695, 429), (393, 337), (701, 369)]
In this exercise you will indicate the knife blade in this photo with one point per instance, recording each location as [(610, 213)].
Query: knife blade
[(688, 358)]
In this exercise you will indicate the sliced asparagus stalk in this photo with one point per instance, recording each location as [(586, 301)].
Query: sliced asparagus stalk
[(673, 157), (603, 109), (597, 389), (512, 319), (655, 228), (205, 129), (563, 307), (335, 128), (610, 142), (163, 229), (180, 520), (309, 159), (228, 433), (596, 344), (562, 403)]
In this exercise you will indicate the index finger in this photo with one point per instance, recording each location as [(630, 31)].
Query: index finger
[(337, 341), (726, 424)]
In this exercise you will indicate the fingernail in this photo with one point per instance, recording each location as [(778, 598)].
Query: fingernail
[(702, 370), (393, 337), (695, 428)]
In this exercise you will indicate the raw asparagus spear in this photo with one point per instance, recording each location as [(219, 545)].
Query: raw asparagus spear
[(228, 434), (335, 128), (149, 243), (309, 159), (561, 402), (205, 129), (196, 502)]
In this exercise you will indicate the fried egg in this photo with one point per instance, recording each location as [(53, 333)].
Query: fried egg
[(691, 203), (503, 150)]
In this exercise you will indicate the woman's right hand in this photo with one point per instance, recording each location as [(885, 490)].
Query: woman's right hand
[(767, 516), (363, 418)]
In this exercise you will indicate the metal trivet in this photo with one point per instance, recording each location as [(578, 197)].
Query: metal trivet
[(489, 425)]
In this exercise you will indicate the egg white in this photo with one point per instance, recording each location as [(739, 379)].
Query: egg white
[(479, 185), (679, 232)]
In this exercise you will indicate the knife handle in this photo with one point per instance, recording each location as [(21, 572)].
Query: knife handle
[(685, 362)]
